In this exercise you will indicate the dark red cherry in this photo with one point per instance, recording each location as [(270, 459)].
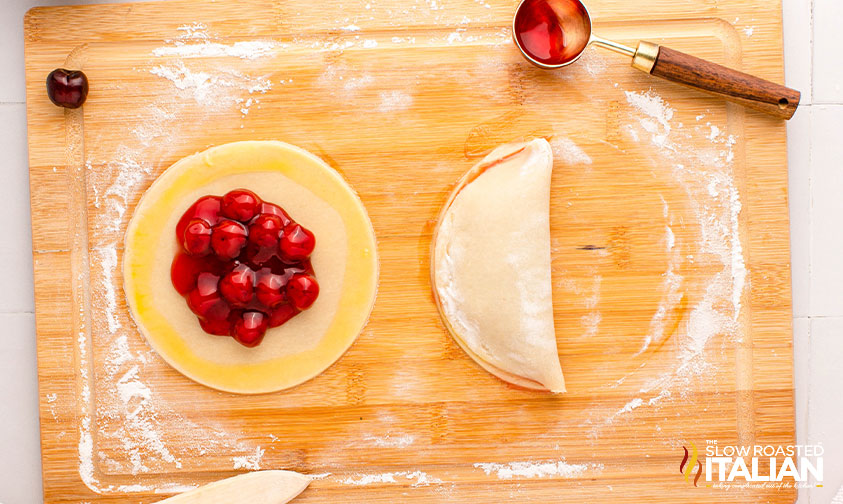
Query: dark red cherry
[(269, 208), (238, 286), (270, 289), (228, 238), (297, 243), (216, 327), (197, 238), (265, 230), (206, 208), (250, 329), (183, 273), (205, 300), (302, 290), (242, 288), (67, 88), (240, 204), (282, 314), (257, 256), (186, 268)]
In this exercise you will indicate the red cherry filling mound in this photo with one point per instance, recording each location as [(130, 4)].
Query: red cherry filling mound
[(243, 265)]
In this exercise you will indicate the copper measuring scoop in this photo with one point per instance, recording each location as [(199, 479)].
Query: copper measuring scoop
[(555, 33)]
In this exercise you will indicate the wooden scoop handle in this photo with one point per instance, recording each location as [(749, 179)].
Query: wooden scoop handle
[(738, 87)]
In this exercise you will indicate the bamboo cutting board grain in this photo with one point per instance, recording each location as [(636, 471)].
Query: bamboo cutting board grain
[(660, 197)]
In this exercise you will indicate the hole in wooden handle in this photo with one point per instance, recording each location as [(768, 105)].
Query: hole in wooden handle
[(783, 103)]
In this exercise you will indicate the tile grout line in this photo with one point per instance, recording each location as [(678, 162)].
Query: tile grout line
[(811, 72), (806, 411), (810, 215), (810, 161)]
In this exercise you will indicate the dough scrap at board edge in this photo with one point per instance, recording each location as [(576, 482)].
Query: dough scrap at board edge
[(269, 487), (490, 268)]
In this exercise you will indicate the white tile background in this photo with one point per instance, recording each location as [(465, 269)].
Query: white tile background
[(813, 34)]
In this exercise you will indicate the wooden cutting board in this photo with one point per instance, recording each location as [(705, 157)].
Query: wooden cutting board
[(670, 249)]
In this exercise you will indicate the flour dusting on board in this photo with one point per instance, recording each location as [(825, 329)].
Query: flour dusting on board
[(656, 116), (195, 41), (418, 478), (393, 101), (568, 152), (706, 176), (210, 81), (530, 469), (125, 426), (392, 441), (249, 462), (709, 169), (213, 89)]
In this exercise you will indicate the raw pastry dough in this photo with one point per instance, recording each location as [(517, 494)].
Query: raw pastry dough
[(266, 487), (345, 262), (491, 266)]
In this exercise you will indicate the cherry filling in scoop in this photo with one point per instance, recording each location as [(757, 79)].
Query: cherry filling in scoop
[(243, 265)]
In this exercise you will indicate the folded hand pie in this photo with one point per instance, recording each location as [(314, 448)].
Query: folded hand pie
[(491, 266)]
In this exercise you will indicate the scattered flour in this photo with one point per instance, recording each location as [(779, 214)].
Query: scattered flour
[(133, 425), (588, 292), (455, 36), (388, 441), (419, 478), (371, 478), (568, 152), (656, 115), (591, 320), (705, 175), (631, 405), (108, 262), (344, 82), (244, 50), (559, 469), (393, 101), (715, 132), (211, 89), (593, 62), (404, 40), (591, 323), (671, 285), (216, 86), (250, 462), (195, 30), (195, 41), (708, 175)]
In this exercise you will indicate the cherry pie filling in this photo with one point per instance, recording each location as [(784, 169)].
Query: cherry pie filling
[(243, 265)]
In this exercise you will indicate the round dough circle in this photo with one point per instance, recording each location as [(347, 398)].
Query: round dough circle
[(345, 263)]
